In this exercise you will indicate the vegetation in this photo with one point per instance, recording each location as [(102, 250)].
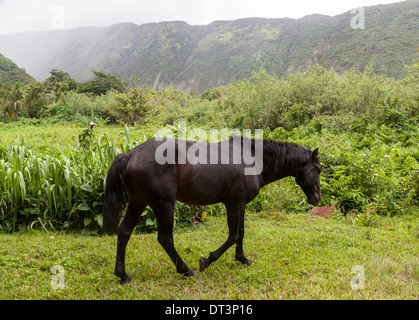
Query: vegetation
[(101, 84), (366, 126), (203, 57), (10, 72), (294, 257), (53, 164)]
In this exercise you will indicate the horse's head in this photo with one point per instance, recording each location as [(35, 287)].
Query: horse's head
[(308, 178)]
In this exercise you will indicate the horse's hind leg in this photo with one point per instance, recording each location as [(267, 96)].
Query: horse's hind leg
[(135, 209), (165, 220)]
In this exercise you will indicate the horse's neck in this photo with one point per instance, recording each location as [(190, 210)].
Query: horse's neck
[(278, 164), (275, 175)]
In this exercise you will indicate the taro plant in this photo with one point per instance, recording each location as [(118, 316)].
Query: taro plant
[(60, 190)]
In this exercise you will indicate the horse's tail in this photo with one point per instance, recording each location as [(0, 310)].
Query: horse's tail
[(114, 193)]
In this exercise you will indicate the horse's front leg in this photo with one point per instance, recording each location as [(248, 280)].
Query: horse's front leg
[(234, 212), (239, 244), (165, 219)]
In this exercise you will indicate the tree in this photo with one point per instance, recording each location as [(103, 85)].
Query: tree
[(59, 82), (413, 71), (57, 76), (135, 106), (12, 101), (34, 100), (102, 83), (3, 101)]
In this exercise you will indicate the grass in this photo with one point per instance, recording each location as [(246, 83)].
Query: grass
[(56, 137), (294, 257)]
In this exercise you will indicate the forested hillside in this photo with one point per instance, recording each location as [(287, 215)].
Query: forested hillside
[(10, 72), (201, 57)]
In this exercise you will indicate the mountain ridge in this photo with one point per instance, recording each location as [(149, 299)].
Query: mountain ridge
[(10, 72), (198, 57)]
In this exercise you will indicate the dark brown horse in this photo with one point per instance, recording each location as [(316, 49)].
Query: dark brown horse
[(160, 171)]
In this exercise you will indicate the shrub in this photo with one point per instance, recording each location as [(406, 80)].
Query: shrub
[(82, 107), (134, 106)]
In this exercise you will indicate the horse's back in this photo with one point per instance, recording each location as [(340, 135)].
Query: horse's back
[(204, 182), (147, 177)]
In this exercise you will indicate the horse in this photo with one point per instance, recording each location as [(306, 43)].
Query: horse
[(162, 170)]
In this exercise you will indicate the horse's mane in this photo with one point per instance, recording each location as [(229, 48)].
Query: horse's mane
[(283, 159), (287, 155)]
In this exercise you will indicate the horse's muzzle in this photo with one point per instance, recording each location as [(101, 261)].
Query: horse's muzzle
[(315, 199)]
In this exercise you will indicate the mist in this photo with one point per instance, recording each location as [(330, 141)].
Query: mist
[(25, 15)]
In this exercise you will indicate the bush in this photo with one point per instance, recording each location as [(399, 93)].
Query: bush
[(134, 106), (82, 107)]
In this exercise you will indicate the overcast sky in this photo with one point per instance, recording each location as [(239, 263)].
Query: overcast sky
[(30, 15)]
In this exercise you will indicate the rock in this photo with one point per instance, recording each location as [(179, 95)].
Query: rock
[(323, 212)]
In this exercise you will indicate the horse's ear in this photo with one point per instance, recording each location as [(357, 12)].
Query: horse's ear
[(315, 153)]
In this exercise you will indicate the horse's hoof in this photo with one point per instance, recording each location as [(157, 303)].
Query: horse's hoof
[(125, 279), (247, 262), (203, 264), (244, 261), (189, 274)]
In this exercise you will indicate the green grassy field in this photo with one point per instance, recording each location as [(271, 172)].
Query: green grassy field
[(294, 257)]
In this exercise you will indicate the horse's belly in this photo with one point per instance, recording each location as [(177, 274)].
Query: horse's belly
[(200, 196), (209, 184)]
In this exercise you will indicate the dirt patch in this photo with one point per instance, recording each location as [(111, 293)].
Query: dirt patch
[(323, 212)]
